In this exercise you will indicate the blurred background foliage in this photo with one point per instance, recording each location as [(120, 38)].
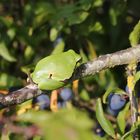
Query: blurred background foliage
[(31, 30)]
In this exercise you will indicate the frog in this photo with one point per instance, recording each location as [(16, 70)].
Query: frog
[(53, 71)]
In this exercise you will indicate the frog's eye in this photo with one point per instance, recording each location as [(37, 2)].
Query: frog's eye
[(50, 76)]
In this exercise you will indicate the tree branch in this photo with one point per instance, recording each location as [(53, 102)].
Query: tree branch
[(90, 68), (19, 96), (127, 56)]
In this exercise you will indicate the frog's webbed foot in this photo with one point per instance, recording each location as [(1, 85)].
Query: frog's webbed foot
[(29, 79)]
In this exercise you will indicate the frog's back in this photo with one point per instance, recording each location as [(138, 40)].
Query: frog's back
[(58, 66)]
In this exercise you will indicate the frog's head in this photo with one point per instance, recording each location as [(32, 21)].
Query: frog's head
[(75, 55)]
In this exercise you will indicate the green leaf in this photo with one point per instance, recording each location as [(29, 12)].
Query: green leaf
[(113, 16), (134, 36), (85, 4), (91, 50), (5, 136), (96, 27), (84, 95), (7, 81), (121, 118), (62, 123), (37, 138), (83, 55), (43, 11), (105, 124), (129, 133), (28, 53), (6, 21), (95, 137), (11, 33), (4, 52), (97, 3), (53, 34), (136, 77), (83, 16), (77, 18), (59, 47), (27, 69)]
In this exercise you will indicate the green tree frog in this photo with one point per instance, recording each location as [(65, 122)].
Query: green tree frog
[(52, 71)]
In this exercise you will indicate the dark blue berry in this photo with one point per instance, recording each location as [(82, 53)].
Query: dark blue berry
[(112, 112), (99, 131), (66, 94), (116, 101), (43, 101)]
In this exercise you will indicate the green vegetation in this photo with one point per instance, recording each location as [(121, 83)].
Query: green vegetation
[(31, 30)]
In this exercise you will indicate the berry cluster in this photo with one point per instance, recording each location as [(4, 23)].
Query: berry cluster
[(99, 131), (43, 100)]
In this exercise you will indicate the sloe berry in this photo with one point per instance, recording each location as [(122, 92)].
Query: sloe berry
[(66, 94), (116, 101), (43, 101)]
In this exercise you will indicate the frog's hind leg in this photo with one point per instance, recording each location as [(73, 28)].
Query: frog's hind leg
[(53, 103)]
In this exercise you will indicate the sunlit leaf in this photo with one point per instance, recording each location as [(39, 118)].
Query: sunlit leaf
[(62, 123), (97, 3), (85, 4), (4, 52), (59, 45), (8, 21), (104, 122), (113, 16), (137, 77), (121, 118), (28, 53), (11, 33), (53, 34), (91, 49), (7, 81), (129, 134), (134, 37), (77, 19), (83, 55), (97, 27), (84, 95), (37, 138)]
